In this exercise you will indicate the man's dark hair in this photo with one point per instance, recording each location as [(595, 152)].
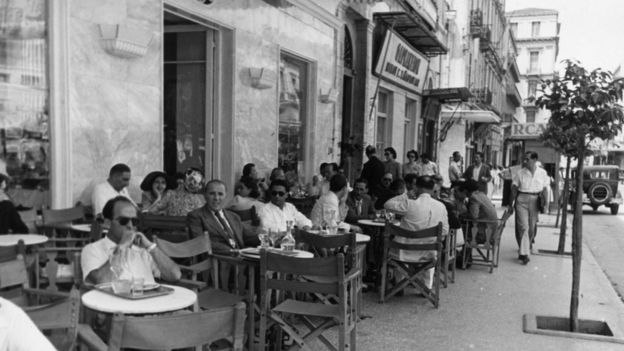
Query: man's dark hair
[(410, 177), (337, 183), (425, 156), (118, 169), (425, 182), (480, 154), (532, 155), (215, 181), (370, 150), (247, 170), (391, 151), (361, 180), (468, 185), (279, 182), (323, 165), (335, 167), (456, 153), (109, 208)]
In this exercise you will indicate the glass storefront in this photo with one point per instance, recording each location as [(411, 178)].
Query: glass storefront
[(24, 101)]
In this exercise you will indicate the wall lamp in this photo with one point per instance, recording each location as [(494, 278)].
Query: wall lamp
[(123, 41), (260, 78), (331, 97)]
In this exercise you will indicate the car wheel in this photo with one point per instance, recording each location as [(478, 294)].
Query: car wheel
[(614, 209), (599, 193)]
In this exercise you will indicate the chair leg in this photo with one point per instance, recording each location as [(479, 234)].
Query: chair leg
[(465, 250), (382, 287), (436, 281), (445, 269)]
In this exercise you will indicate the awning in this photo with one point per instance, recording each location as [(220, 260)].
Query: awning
[(449, 94), (470, 112), (414, 29)]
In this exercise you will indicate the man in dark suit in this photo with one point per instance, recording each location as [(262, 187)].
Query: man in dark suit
[(373, 171), (227, 233), (479, 172), (358, 202)]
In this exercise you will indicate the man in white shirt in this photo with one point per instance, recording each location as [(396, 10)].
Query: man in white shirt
[(125, 253), (421, 213), (115, 185), (273, 216), (527, 186), (455, 168), (427, 167), (332, 202)]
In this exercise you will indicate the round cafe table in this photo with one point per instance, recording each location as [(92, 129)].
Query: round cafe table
[(29, 239), (179, 299)]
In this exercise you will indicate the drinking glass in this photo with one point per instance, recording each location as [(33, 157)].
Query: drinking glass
[(121, 286), (289, 224), (264, 239), (378, 215), (273, 237), (137, 286)]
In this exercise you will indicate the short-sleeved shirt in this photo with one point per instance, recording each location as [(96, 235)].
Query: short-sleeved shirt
[(17, 330), (274, 218), (528, 182), (139, 262), (104, 192)]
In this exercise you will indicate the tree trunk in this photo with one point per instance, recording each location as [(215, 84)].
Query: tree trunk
[(577, 239), (564, 209)]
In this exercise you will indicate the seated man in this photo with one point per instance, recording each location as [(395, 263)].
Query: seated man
[(479, 206), (424, 212), (115, 185), (227, 233), (359, 204), (385, 191), (273, 215), (125, 253), (332, 201)]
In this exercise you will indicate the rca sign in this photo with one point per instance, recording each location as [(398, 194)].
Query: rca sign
[(527, 130)]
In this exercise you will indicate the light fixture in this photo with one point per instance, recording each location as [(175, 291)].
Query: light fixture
[(331, 97), (124, 41), (260, 78), (451, 15)]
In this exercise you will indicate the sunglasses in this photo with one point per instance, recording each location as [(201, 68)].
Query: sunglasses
[(278, 193), (125, 220), (387, 180)]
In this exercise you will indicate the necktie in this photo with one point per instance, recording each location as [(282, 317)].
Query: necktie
[(358, 203), (226, 227)]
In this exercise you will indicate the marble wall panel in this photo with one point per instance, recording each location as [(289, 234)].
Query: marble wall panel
[(114, 103)]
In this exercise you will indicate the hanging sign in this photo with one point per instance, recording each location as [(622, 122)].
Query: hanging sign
[(402, 65), (527, 130)]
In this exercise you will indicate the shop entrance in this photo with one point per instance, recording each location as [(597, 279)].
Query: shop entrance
[(189, 95)]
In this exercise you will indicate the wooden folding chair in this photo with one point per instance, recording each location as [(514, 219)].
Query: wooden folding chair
[(174, 331), (201, 269), (29, 217), (170, 228), (483, 237), (449, 257), (430, 240), (280, 274), (58, 320), (56, 225), (250, 215), (10, 253)]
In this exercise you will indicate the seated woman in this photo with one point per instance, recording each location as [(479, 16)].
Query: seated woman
[(156, 188), (10, 221), (250, 173), (187, 198), (247, 194)]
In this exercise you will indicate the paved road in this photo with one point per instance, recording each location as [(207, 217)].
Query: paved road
[(604, 234)]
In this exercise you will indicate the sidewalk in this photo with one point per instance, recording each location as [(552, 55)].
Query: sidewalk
[(483, 311)]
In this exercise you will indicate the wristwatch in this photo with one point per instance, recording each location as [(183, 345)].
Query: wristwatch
[(152, 247)]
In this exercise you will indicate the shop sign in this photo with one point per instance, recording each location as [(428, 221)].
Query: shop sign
[(403, 65), (527, 130)]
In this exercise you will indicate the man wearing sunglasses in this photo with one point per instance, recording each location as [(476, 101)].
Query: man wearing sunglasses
[(273, 216), (125, 253)]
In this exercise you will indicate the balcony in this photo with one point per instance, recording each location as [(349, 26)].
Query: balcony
[(512, 93), (482, 95)]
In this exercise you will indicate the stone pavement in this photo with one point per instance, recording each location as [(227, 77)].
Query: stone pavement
[(483, 311)]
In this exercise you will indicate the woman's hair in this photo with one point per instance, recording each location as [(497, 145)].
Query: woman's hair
[(391, 151), (274, 173), (413, 152), (148, 181), (247, 170), (254, 190)]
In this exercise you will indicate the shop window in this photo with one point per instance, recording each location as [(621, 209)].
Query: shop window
[(383, 120), (411, 108), (292, 116), (24, 99)]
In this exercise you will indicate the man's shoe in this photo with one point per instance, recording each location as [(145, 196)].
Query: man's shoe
[(525, 259)]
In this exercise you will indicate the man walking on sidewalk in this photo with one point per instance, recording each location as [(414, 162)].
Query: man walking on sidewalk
[(526, 189)]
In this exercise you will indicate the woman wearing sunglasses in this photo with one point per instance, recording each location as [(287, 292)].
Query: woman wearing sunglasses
[(188, 197)]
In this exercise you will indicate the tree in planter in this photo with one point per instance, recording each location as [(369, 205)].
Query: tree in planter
[(564, 141), (583, 104)]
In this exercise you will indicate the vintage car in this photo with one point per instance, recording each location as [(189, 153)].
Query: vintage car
[(600, 187)]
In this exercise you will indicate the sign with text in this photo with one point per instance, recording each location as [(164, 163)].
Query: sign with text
[(403, 65), (527, 130)]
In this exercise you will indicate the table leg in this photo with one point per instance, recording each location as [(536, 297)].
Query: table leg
[(251, 294)]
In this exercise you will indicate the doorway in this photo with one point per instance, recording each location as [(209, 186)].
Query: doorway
[(189, 96)]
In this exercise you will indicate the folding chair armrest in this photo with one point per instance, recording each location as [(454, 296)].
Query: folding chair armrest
[(45, 293), (191, 284), (468, 220), (59, 249), (87, 337), (229, 259), (352, 274)]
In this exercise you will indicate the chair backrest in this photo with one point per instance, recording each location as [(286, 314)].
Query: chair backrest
[(434, 234), (281, 272), (327, 245), (190, 248), (55, 273), (248, 215), (10, 253), (63, 215), (171, 228), (60, 317), (29, 217), (491, 229), (178, 330), (14, 279)]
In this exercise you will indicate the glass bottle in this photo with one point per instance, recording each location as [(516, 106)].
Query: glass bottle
[(288, 242)]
